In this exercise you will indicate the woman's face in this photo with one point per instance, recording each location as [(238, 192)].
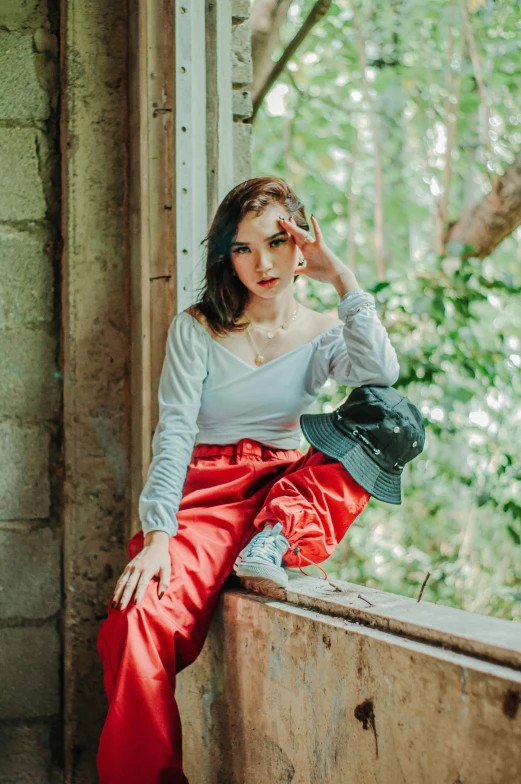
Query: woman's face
[(263, 252)]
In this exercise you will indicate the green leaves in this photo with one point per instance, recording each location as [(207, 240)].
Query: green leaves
[(454, 319)]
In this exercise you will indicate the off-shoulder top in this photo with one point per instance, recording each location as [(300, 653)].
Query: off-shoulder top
[(209, 395)]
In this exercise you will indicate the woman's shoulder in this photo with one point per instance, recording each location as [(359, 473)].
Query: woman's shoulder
[(318, 323), (189, 323), (198, 317), (194, 311)]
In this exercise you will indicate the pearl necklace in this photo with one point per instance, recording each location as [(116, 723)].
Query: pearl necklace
[(270, 334)]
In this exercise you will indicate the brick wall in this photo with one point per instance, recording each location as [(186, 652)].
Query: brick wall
[(30, 395)]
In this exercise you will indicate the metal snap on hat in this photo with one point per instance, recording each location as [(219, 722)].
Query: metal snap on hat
[(374, 433)]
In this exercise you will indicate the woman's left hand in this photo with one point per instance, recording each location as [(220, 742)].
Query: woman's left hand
[(320, 263)]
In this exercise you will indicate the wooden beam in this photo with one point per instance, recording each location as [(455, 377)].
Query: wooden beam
[(139, 228), (161, 162), (152, 225)]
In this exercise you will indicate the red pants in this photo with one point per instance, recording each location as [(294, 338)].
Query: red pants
[(230, 491)]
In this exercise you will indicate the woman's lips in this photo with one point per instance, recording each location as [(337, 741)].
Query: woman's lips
[(268, 283)]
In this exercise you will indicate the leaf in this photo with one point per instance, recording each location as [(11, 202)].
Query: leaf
[(380, 286), (513, 533)]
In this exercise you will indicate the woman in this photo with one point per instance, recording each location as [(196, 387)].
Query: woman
[(226, 477)]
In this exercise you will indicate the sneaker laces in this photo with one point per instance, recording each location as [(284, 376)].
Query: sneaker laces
[(297, 552), (266, 544)]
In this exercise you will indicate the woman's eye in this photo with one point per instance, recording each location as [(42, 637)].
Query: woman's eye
[(273, 244)]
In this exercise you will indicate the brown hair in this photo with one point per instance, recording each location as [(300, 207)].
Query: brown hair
[(223, 298)]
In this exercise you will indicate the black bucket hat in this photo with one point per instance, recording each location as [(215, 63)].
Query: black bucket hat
[(374, 433)]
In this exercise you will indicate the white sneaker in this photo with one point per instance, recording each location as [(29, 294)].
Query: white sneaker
[(262, 557)]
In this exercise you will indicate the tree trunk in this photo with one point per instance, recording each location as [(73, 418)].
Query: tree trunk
[(484, 225)]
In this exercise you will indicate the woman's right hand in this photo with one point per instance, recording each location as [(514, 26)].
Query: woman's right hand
[(153, 560)]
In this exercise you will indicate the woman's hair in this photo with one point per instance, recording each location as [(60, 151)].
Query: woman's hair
[(223, 298)]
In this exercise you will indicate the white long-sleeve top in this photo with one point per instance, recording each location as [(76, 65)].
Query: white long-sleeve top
[(209, 395)]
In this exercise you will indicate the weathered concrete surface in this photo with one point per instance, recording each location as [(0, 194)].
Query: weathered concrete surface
[(30, 667), (29, 383), (242, 66), (25, 757), (287, 694), (30, 395), (23, 14), (22, 194), (96, 345), (24, 478), (242, 77), (242, 105), (26, 277), (22, 96), (241, 9), (478, 635), (29, 573), (242, 144)]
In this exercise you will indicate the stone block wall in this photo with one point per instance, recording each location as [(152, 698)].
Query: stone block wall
[(242, 77), (30, 395)]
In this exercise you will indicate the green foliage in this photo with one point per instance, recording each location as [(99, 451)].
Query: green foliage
[(454, 321)]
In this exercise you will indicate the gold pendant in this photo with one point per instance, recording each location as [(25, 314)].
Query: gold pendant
[(259, 360)]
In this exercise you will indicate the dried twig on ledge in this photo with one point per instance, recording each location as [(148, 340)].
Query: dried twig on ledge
[(424, 583), (365, 600)]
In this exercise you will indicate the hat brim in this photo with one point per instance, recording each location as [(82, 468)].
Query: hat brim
[(321, 433)]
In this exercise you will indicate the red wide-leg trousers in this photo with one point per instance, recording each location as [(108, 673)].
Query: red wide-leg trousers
[(230, 491)]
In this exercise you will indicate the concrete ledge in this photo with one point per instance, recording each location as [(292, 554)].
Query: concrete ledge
[(286, 692), (491, 639)]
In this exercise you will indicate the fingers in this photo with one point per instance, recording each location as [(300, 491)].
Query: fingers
[(301, 236), (142, 584), (130, 587), (164, 578), (136, 578), (316, 228), (120, 585)]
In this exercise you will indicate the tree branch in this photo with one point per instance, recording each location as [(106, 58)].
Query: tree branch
[(484, 225), (265, 22), (319, 10)]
